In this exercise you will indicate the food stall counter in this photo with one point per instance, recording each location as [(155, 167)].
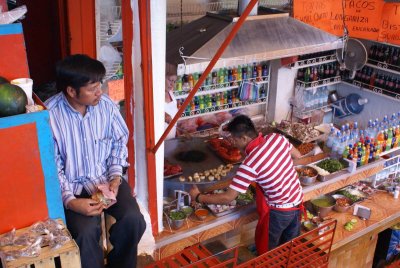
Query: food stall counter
[(356, 248)]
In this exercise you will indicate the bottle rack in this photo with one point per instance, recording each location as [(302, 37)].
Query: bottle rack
[(383, 66), (374, 89), (218, 88), (226, 86), (319, 83), (313, 61), (224, 107)]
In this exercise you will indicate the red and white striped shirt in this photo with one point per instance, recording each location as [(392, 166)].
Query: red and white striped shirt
[(271, 166)]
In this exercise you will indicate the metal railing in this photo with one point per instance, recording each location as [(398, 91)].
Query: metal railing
[(197, 8)]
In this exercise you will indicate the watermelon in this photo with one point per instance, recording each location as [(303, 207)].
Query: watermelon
[(12, 100), (3, 80)]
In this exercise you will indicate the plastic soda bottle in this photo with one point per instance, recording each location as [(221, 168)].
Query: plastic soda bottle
[(178, 84)]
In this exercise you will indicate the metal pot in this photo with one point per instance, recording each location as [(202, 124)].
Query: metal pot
[(304, 179), (341, 208), (323, 204)]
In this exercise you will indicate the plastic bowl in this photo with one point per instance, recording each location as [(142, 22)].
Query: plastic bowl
[(201, 213)]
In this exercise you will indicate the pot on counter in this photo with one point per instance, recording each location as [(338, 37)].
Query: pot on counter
[(323, 204)]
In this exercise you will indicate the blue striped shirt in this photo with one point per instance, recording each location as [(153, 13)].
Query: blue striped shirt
[(89, 149)]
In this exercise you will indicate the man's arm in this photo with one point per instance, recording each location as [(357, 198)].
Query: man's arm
[(66, 192), (222, 198), (119, 150), (84, 206)]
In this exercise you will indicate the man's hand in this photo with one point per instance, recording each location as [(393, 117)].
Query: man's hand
[(168, 118), (194, 191), (85, 206), (114, 184)]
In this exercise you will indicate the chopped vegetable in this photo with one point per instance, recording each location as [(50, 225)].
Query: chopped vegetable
[(348, 226), (330, 165), (177, 215)]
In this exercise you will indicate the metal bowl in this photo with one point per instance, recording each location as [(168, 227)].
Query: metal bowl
[(323, 204), (341, 208), (176, 224), (188, 210), (309, 225), (305, 179)]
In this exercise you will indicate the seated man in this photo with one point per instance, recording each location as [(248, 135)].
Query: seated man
[(90, 139)]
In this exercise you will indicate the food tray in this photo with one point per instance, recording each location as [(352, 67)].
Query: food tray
[(226, 161), (321, 135), (228, 211), (173, 175), (335, 174)]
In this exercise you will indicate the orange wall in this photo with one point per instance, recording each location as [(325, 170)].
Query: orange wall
[(82, 27)]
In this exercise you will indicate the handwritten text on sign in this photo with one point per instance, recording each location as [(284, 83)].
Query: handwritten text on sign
[(390, 25), (362, 17)]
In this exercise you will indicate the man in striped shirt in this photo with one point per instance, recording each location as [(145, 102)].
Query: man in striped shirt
[(268, 163), (90, 139)]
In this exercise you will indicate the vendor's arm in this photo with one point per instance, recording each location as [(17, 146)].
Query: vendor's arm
[(222, 198), (295, 153)]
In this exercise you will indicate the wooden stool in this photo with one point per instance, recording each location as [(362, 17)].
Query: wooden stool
[(106, 222)]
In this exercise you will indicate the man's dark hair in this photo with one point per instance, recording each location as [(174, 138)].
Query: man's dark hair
[(241, 126), (77, 71)]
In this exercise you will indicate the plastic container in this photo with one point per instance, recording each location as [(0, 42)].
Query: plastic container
[(350, 105)]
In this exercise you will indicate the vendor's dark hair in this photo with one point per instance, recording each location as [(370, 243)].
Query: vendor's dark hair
[(77, 71), (241, 126)]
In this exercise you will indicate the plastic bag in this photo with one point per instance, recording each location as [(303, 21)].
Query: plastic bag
[(25, 239), (11, 16), (8, 238)]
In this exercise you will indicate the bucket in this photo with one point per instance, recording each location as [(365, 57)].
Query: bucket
[(350, 105), (26, 85)]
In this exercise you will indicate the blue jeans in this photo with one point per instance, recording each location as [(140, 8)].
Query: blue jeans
[(283, 227)]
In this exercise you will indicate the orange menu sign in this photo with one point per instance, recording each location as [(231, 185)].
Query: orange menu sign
[(116, 89), (390, 24), (362, 17)]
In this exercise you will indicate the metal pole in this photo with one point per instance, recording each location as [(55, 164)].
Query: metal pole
[(210, 66)]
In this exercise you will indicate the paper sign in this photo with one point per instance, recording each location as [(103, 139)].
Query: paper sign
[(116, 90), (390, 24), (362, 17), (316, 13)]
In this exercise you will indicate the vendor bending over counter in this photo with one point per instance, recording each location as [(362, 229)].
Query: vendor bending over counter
[(279, 195)]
